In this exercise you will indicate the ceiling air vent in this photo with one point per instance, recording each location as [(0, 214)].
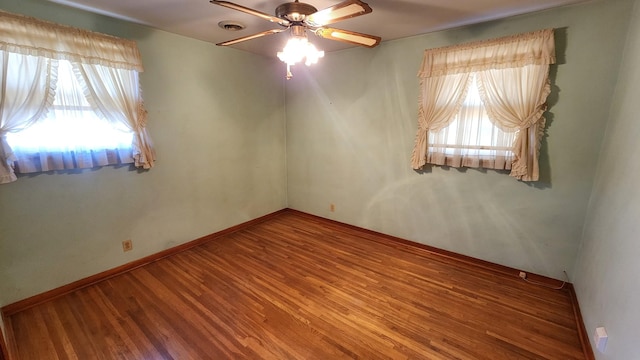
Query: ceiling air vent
[(231, 25)]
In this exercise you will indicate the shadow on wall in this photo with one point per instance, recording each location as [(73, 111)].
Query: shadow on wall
[(443, 211), (560, 35)]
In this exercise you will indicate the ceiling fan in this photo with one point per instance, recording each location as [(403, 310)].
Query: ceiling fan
[(300, 17)]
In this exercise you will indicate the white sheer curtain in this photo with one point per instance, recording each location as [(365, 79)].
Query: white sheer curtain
[(440, 100), (515, 98), (485, 144), (31, 51), (21, 105), (116, 93), (513, 81)]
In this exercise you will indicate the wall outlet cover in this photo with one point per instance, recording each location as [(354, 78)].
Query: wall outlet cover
[(127, 245), (600, 339)]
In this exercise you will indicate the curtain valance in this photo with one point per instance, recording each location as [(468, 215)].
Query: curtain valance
[(534, 48), (30, 36)]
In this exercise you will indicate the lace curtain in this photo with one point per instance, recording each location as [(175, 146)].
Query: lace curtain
[(471, 139), (513, 82), (33, 50), (23, 106)]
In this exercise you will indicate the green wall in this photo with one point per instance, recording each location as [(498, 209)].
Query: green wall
[(351, 124), (606, 274), (217, 120)]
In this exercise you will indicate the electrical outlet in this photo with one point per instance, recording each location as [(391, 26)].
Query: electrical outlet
[(523, 275), (127, 245), (332, 207)]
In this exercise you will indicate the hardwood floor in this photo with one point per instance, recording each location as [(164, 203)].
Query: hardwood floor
[(298, 287)]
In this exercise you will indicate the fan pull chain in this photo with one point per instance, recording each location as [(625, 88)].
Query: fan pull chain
[(289, 74)]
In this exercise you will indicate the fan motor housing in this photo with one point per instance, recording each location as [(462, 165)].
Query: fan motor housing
[(295, 11)]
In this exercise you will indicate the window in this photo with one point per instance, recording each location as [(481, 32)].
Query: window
[(69, 101), (70, 132), (471, 139), (482, 104)]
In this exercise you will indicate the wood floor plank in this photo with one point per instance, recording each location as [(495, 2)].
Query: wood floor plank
[(297, 287)]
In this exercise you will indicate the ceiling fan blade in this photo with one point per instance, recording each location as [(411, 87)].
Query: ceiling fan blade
[(342, 11), (257, 13), (245, 38), (351, 37)]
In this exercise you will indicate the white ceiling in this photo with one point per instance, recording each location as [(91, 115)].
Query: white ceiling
[(390, 19)]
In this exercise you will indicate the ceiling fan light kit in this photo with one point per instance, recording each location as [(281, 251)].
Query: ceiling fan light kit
[(298, 18), (299, 48)]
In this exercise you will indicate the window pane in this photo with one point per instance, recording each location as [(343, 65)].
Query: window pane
[(81, 130), (471, 133), (72, 125)]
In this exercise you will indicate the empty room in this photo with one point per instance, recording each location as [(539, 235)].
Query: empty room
[(234, 202)]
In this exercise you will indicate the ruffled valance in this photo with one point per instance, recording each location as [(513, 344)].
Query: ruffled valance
[(536, 47), (30, 36)]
